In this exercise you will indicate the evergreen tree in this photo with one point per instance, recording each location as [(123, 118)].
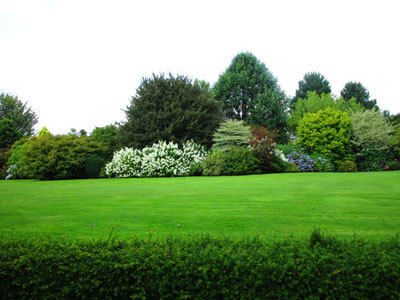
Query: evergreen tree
[(358, 91), (170, 109), (249, 92), (312, 82)]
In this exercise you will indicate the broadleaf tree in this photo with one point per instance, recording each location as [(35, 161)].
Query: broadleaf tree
[(314, 102), (170, 109), (23, 118)]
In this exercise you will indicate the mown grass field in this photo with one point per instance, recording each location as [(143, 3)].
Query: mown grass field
[(270, 206)]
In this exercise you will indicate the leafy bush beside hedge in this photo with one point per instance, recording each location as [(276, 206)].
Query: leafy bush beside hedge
[(200, 268), (53, 157), (236, 161)]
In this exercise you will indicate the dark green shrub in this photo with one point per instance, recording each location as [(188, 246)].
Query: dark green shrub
[(291, 167), (392, 165), (236, 161), (240, 161), (320, 267), (196, 169), (94, 164), (4, 157), (372, 159), (346, 166)]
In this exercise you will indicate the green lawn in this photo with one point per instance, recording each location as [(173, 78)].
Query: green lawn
[(272, 205)]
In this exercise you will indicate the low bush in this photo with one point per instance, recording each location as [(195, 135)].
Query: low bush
[(201, 268), (4, 156), (302, 161), (321, 163), (196, 169), (53, 157), (346, 166), (162, 159), (291, 167), (372, 159), (392, 165), (235, 161)]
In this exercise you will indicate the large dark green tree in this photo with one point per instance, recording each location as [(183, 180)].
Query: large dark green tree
[(312, 81), (21, 116), (249, 92), (358, 91), (170, 109)]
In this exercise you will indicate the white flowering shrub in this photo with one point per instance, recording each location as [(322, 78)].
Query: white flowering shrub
[(160, 160), (281, 155)]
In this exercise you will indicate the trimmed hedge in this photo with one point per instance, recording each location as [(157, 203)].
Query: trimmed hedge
[(200, 268)]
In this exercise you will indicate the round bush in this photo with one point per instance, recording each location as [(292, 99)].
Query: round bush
[(346, 166)]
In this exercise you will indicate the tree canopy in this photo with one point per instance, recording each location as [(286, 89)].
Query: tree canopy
[(22, 118), (249, 92), (360, 93), (314, 102), (312, 82), (170, 109)]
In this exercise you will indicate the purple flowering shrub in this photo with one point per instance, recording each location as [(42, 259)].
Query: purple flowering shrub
[(302, 161)]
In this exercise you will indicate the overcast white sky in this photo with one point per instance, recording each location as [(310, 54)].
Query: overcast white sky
[(78, 62)]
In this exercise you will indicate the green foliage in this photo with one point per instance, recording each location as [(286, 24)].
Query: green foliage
[(44, 132), (231, 134), (4, 157), (235, 161), (312, 82), (371, 139), (326, 132), (15, 158), (321, 267), (8, 133), (360, 93), (94, 164), (393, 165), (107, 135), (395, 142), (346, 166), (262, 143), (170, 109), (270, 112), (321, 163), (289, 148), (248, 91), (54, 157), (291, 167), (22, 117), (196, 169), (315, 102)]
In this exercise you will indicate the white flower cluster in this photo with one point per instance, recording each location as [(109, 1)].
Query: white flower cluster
[(160, 160), (280, 154)]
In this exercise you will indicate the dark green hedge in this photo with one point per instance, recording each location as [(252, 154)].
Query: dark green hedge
[(200, 268)]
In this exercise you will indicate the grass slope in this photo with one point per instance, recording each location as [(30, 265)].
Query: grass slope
[(270, 206)]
